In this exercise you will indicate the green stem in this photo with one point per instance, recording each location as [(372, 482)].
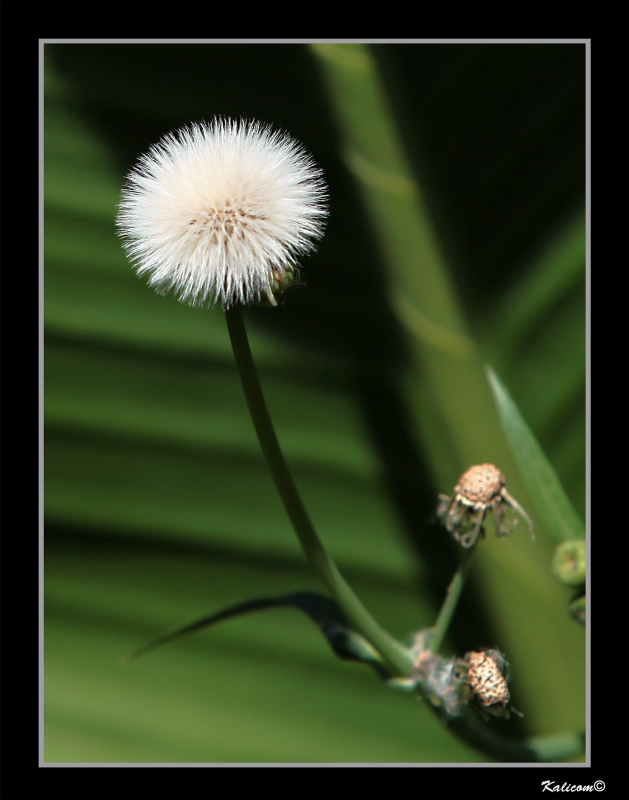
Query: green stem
[(452, 598), (558, 746), (550, 748), (397, 658)]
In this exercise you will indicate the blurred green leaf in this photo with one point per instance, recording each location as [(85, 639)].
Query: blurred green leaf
[(558, 268), (559, 517)]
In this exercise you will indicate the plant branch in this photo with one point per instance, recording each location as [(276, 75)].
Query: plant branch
[(452, 598), (397, 658)]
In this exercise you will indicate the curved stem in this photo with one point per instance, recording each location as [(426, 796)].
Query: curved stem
[(550, 748), (452, 598), (397, 658)]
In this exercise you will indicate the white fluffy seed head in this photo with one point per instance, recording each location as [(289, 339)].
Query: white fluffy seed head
[(220, 212)]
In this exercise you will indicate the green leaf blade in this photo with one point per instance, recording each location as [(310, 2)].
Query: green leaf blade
[(557, 513)]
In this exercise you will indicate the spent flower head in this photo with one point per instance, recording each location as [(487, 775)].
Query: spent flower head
[(220, 212), (480, 489)]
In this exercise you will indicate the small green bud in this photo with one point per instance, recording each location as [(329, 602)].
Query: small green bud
[(577, 609), (569, 563)]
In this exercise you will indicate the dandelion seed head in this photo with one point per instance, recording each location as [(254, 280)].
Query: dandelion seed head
[(221, 212)]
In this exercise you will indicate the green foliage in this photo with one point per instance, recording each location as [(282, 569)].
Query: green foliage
[(158, 507), (558, 516)]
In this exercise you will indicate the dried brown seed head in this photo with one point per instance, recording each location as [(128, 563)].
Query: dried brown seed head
[(480, 490), (480, 484), (486, 680)]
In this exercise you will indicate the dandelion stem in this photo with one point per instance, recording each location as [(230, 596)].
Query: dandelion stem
[(452, 598), (397, 658)]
